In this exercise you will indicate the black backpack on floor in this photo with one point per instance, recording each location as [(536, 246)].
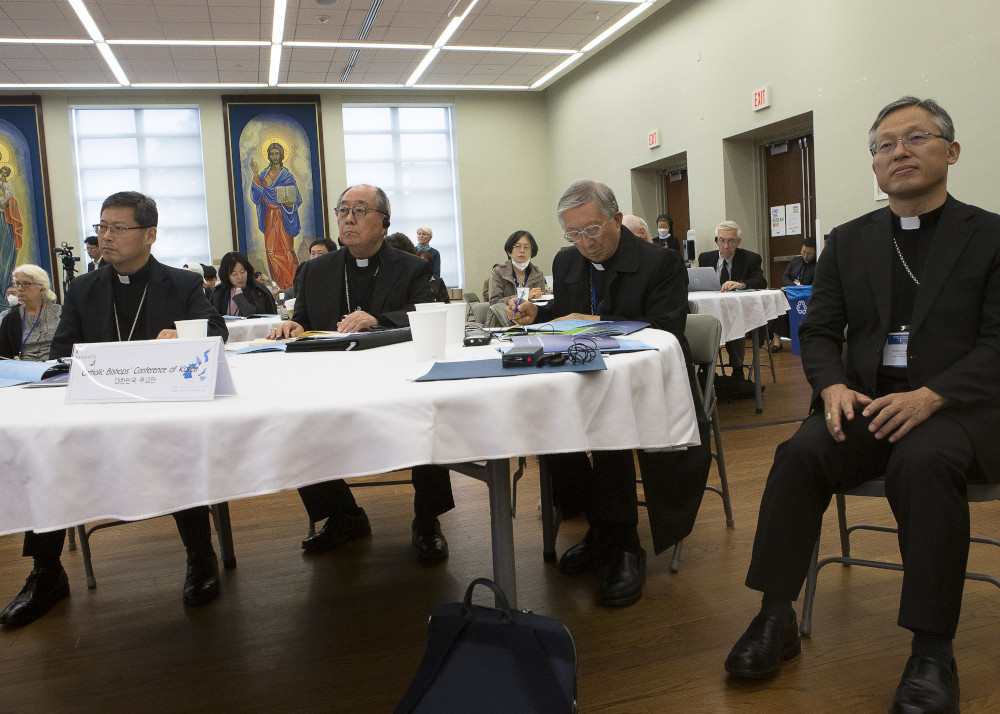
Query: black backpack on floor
[(484, 659)]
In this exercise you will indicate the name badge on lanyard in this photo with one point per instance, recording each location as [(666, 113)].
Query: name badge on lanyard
[(894, 354)]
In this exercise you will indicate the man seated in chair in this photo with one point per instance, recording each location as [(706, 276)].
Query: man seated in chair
[(137, 299), (738, 269), (363, 285), (613, 275), (916, 285)]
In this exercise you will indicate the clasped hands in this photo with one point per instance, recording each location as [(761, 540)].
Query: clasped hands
[(357, 321), (892, 416)]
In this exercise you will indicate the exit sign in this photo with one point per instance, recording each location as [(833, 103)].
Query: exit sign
[(653, 139), (762, 98)]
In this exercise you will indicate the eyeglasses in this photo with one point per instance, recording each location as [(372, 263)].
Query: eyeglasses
[(359, 212), (885, 146), (591, 232), (522, 246), (19, 284), (100, 229), (726, 241)]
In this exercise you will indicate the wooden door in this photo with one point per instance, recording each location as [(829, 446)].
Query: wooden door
[(790, 177)]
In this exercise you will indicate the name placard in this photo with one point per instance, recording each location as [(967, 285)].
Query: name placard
[(149, 371)]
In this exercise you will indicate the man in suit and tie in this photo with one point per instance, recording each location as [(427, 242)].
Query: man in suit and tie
[(94, 251), (614, 275), (738, 269), (363, 285), (138, 298), (913, 290)]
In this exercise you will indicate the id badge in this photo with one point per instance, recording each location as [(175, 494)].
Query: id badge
[(894, 354)]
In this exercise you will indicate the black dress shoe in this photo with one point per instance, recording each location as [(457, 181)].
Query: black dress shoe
[(589, 554), (43, 589), (763, 647), (201, 584), (338, 530), (624, 580), (928, 685), (428, 539)]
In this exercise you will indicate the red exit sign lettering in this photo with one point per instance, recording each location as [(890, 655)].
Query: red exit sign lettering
[(762, 98), (653, 139)]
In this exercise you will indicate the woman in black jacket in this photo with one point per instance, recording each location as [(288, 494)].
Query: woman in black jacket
[(237, 292)]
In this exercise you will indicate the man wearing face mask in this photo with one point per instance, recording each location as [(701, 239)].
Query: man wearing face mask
[(11, 301), (664, 233)]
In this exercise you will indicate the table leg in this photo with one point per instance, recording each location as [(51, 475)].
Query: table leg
[(502, 527), (755, 340)]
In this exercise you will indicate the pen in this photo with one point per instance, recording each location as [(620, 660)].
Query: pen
[(516, 305)]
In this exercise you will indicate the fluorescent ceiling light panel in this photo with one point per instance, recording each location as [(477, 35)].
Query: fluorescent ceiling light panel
[(109, 57), (562, 65), (357, 45), (617, 26), (60, 86), (453, 25), (206, 85), (272, 74), (341, 85), (33, 41), (278, 29), (521, 50), (194, 43), (88, 22), (498, 87), (422, 67)]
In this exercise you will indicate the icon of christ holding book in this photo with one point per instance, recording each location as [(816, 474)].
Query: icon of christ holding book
[(277, 199)]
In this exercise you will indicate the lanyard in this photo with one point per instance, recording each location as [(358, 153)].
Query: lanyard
[(514, 272), (25, 338)]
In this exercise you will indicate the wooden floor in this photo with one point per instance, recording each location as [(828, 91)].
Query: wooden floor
[(344, 632)]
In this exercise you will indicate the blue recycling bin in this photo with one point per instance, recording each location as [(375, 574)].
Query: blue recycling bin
[(798, 303)]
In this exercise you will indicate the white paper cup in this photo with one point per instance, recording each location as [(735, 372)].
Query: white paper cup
[(458, 313), (191, 329), (428, 329)]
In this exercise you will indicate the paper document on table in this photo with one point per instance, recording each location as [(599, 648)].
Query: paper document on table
[(16, 371), (581, 327)]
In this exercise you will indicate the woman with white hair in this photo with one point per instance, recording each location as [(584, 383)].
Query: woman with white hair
[(27, 330)]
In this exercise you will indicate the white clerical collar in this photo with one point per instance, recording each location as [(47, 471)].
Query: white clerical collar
[(597, 265), (123, 279), (361, 262), (909, 224)]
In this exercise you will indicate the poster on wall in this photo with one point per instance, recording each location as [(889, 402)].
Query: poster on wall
[(274, 146), (777, 221), (25, 211)]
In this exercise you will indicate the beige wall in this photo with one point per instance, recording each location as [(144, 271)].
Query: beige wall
[(503, 165), (690, 69)]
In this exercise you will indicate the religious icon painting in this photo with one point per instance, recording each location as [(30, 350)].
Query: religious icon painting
[(25, 212), (278, 201)]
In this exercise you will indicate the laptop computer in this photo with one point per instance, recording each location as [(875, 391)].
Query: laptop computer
[(703, 279)]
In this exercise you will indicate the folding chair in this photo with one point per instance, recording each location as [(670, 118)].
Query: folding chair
[(978, 493)]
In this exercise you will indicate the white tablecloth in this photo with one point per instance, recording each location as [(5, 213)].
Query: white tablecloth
[(252, 329), (740, 312), (305, 418)]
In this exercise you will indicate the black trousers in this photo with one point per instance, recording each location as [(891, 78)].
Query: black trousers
[(605, 490), (432, 495), (925, 480), (192, 523)]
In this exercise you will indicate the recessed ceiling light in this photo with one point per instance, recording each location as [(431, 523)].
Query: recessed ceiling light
[(326, 2), (322, 19)]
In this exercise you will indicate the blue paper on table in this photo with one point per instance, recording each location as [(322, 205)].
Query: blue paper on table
[(16, 371), (478, 368), (561, 343)]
